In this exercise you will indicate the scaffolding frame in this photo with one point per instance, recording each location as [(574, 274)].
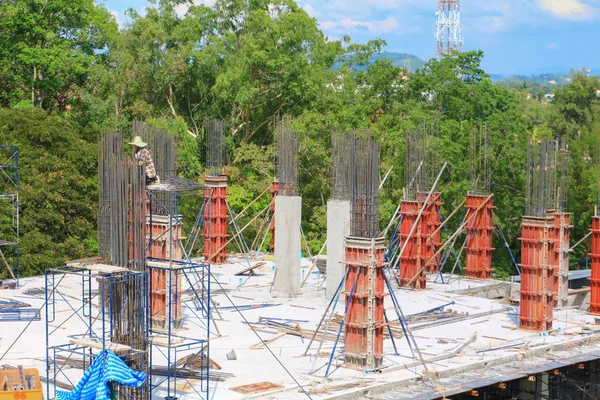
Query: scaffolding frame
[(187, 297), (100, 284), (9, 192)]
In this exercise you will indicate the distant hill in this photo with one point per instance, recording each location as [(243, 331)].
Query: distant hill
[(402, 60)]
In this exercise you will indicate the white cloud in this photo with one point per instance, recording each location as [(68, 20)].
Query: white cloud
[(181, 9), (348, 25), (310, 10), (553, 46), (572, 10), (118, 17)]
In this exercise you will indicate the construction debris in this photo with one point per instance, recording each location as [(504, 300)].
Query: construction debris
[(256, 388)]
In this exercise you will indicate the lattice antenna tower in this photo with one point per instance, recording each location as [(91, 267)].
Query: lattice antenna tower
[(215, 148), (364, 185), (449, 33), (479, 157), (286, 167)]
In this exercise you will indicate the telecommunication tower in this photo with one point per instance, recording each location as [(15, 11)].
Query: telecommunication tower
[(449, 34)]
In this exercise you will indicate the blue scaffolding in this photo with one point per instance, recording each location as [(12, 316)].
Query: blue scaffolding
[(90, 308), (9, 211), (180, 305)]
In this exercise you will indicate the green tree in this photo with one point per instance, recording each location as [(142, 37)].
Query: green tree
[(47, 48), (59, 187)]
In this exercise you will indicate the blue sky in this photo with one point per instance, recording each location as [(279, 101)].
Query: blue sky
[(517, 36)]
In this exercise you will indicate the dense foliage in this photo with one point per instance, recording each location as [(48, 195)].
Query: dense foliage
[(247, 62)]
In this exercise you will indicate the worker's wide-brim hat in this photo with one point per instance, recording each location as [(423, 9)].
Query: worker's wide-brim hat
[(138, 142)]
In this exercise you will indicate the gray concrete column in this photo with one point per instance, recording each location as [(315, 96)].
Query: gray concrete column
[(338, 227), (288, 214)]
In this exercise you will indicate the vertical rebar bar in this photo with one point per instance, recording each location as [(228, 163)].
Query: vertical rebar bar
[(287, 158), (215, 148), (364, 185), (340, 162), (421, 161), (479, 165), (546, 177)]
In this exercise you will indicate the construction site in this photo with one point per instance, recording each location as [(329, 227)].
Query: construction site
[(378, 313), (181, 302)]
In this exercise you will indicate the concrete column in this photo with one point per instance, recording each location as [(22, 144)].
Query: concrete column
[(288, 213), (338, 227)]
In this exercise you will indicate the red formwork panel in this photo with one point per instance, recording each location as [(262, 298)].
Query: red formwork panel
[(595, 259), (537, 274), (560, 234), (164, 235), (274, 193), (162, 297), (431, 221), (215, 219), (412, 259), (478, 247), (364, 290)]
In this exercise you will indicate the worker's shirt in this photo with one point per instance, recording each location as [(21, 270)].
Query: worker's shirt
[(144, 156)]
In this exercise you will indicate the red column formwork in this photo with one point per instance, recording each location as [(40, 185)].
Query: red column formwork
[(478, 248), (412, 260), (164, 236), (561, 235), (430, 226), (364, 288), (537, 274), (215, 219), (274, 193), (595, 258)]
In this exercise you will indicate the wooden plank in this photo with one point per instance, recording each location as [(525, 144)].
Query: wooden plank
[(105, 269), (95, 344), (261, 345), (250, 270), (494, 338), (162, 341)]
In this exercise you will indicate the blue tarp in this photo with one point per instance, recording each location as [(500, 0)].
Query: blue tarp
[(106, 367)]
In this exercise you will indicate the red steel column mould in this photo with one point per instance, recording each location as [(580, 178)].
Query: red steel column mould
[(430, 225), (215, 219), (364, 288), (561, 235), (274, 193), (164, 245), (478, 247), (595, 257), (537, 274), (412, 260)]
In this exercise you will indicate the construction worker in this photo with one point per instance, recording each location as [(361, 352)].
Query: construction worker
[(142, 154)]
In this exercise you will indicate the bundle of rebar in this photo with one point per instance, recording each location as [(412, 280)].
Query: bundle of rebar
[(287, 158), (122, 208), (479, 157), (364, 186), (215, 148), (340, 166), (546, 177)]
